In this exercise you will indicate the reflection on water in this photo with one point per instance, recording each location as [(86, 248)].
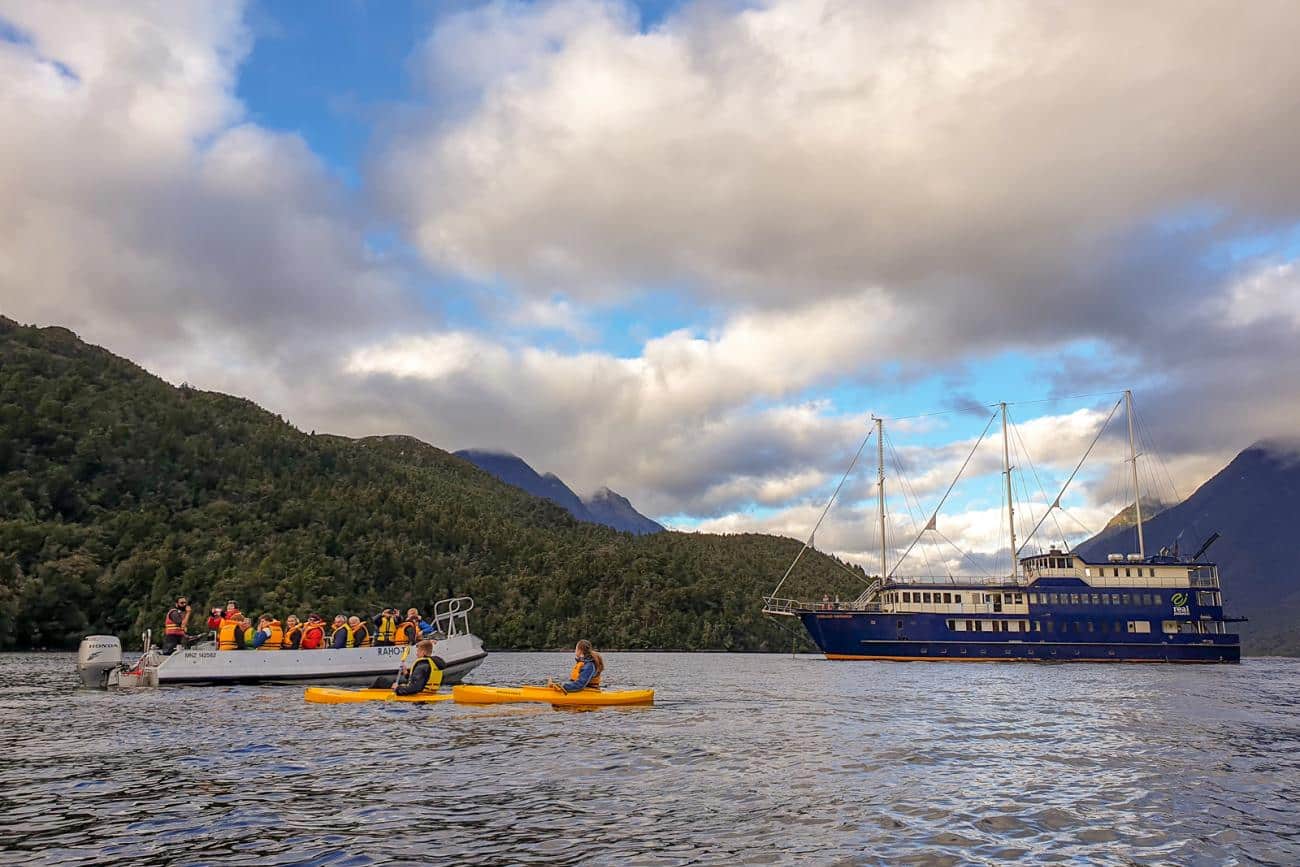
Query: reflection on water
[(745, 759)]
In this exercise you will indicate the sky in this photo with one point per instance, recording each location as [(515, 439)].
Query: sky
[(687, 249)]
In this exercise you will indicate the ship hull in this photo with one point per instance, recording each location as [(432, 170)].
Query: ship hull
[(857, 635)]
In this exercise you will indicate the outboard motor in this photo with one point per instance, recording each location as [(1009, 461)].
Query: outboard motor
[(96, 658)]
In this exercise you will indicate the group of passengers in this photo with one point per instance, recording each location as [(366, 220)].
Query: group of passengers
[(235, 630)]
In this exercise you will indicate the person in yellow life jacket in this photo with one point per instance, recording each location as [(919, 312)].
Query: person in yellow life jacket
[(588, 666), (360, 632), (292, 633), (270, 634), (341, 636), (386, 628), (408, 631), (425, 674), (174, 625), (230, 635)]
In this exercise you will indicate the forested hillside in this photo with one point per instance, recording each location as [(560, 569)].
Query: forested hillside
[(119, 491)]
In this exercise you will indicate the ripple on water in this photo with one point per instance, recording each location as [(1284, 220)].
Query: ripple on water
[(744, 760)]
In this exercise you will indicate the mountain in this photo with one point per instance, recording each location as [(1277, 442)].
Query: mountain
[(1127, 516), (119, 491), (613, 510), (1254, 502), (604, 507)]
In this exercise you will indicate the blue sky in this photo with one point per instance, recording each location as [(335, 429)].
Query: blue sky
[(681, 249)]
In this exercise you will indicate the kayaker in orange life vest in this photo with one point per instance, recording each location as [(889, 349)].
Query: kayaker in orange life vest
[(588, 666), (174, 626)]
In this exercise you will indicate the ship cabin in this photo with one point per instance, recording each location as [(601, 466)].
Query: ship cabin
[(1059, 593)]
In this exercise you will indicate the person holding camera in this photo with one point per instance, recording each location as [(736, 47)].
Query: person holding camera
[(174, 626)]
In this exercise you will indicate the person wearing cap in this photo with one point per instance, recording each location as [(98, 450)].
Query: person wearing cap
[(174, 625), (313, 634)]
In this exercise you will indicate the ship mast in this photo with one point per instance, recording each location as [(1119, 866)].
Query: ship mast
[(1133, 461), (880, 494), (1011, 513)]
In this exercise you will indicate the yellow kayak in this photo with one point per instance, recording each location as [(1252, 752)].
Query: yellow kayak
[(466, 694), (332, 695)]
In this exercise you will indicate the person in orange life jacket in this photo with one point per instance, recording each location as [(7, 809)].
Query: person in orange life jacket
[(236, 634), (360, 632), (269, 635), (340, 635), (174, 625), (588, 666), (292, 633), (408, 631), (313, 633)]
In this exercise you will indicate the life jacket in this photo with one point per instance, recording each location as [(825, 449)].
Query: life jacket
[(360, 637), (313, 635), (435, 676), (274, 636), (172, 625), (594, 683), (226, 635), (387, 630), (345, 630), (407, 633), (290, 633)]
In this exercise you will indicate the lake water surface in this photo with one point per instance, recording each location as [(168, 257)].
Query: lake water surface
[(744, 759)]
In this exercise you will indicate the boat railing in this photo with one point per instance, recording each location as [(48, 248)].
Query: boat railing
[(783, 607), (960, 580), (1203, 577), (451, 616), (867, 594)]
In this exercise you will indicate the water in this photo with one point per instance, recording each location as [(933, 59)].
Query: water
[(744, 759)]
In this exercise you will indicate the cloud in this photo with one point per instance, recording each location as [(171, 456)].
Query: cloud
[(145, 212)]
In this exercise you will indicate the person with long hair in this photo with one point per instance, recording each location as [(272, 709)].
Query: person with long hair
[(588, 666)]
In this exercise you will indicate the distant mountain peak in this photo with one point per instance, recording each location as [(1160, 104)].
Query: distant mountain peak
[(603, 507)]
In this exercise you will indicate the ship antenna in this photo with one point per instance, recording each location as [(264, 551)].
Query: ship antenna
[(1011, 514), (1133, 460), (880, 494)]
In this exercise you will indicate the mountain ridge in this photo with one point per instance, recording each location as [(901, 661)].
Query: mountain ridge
[(1251, 502), (605, 506)]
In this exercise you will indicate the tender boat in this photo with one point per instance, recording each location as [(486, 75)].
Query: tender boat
[(100, 664)]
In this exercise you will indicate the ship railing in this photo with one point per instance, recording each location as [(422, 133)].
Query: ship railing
[(451, 616), (1203, 577), (867, 594), (783, 607), (960, 580)]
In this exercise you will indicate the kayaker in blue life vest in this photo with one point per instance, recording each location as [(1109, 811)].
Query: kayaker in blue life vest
[(588, 666)]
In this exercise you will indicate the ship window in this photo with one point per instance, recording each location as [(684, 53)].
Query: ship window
[(956, 597), (1128, 573), (1187, 626), (970, 625), (1114, 599), (1074, 598), (1087, 570), (1096, 600), (1051, 626), (1128, 599), (1151, 573), (1204, 598), (1169, 627), (1020, 598), (1038, 626), (950, 624), (1139, 626), (925, 597), (1091, 628), (1033, 598), (947, 597)]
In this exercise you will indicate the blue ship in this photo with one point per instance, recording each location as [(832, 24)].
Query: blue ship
[(1055, 606), (1065, 609)]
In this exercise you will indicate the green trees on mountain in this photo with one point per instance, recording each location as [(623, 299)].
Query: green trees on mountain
[(119, 491)]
